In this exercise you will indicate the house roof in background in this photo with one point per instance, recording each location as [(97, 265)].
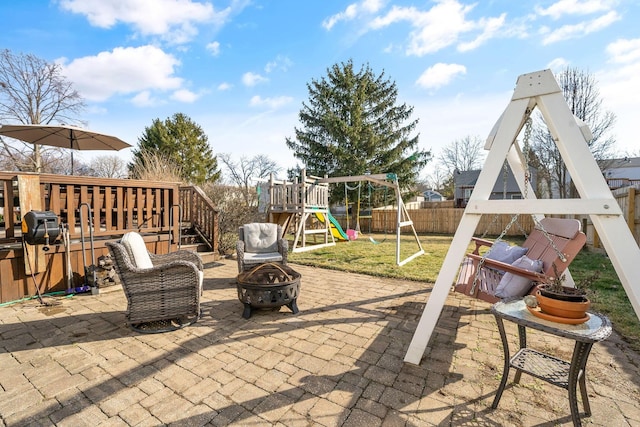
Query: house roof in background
[(627, 167), (469, 179)]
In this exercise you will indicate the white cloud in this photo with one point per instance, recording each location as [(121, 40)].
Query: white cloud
[(144, 99), (184, 95), (624, 51), (214, 48), (440, 75), (224, 86), (273, 103), (490, 28), (124, 71), (575, 7), (581, 29), (558, 64), (172, 20), (619, 88), (252, 79), (280, 63), (441, 26), (352, 11)]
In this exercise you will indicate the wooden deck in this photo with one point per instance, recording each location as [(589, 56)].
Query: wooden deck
[(94, 210)]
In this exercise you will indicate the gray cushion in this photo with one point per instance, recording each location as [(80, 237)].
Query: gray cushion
[(512, 285), (260, 237), (260, 258), (503, 252)]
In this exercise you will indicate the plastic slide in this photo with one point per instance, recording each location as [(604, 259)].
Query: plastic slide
[(334, 225)]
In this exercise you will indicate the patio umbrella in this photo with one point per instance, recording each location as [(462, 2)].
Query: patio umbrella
[(64, 136)]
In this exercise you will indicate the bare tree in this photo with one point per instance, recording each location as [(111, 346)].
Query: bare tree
[(440, 180), (232, 213), (462, 154), (244, 171), (110, 166), (33, 91), (583, 98)]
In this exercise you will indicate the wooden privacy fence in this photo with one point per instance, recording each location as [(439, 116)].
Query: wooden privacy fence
[(446, 220), (629, 202)]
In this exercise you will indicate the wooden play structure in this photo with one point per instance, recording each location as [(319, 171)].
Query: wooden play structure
[(303, 205), (538, 89)]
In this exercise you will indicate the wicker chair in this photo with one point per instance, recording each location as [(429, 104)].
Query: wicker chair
[(259, 243), (163, 291)]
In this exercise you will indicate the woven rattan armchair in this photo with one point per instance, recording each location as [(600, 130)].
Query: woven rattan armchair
[(161, 297), (259, 243)]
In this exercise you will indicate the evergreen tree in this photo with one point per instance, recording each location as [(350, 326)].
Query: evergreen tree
[(352, 125), (182, 141)]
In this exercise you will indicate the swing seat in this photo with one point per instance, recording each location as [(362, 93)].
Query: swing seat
[(566, 236)]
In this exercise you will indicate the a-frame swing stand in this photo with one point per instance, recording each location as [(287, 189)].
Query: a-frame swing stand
[(538, 89)]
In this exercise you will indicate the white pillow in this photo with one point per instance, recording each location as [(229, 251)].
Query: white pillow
[(134, 244), (261, 237), (503, 252), (512, 285)]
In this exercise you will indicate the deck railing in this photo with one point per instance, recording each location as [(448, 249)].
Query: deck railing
[(198, 210), (116, 205), (295, 196), (94, 210)]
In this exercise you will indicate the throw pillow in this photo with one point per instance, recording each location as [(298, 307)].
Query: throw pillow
[(511, 285), (134, 244), (503, 252)]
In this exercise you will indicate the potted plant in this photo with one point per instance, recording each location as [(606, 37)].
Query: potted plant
[(564, 302)]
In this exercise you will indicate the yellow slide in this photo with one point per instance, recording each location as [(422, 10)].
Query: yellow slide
[(334, 226)]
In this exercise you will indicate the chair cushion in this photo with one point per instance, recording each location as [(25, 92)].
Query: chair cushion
[(512, 285), (503, 252), (134, 244), (260, 238), (259, 258)]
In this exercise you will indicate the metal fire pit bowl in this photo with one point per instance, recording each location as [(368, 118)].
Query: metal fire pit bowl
[(268, 285)]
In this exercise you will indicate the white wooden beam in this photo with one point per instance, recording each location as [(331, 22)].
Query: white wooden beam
[(544, 206)]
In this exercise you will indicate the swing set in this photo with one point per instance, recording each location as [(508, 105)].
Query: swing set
[(304, 205), (358, 229), (537, 90)]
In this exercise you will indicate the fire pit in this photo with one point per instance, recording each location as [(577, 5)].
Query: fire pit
[(268, 285)]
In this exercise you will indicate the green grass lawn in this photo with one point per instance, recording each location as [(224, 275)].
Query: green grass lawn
[(379, 259)]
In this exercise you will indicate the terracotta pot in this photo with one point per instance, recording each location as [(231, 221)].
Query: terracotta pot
[(566, 309)]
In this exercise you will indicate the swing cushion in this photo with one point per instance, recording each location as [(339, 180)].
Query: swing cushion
[(503, 252), (514, 286)]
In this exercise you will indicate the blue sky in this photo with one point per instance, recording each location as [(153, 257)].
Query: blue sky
[(239, 68)]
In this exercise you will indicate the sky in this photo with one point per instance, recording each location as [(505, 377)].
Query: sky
[(240, 68)]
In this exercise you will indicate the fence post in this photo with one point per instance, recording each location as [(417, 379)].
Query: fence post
[(631, 210)]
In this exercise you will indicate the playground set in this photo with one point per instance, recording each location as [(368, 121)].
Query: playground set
[(303, 206)]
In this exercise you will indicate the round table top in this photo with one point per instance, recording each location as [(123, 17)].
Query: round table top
[(597, 328)]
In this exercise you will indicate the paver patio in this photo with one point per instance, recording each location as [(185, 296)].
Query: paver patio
[(339, 362)]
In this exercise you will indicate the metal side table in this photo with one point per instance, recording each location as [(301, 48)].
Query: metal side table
[(544, 366)]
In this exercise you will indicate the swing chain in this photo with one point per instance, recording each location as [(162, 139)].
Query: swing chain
[(514, 218), (527, 179)]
